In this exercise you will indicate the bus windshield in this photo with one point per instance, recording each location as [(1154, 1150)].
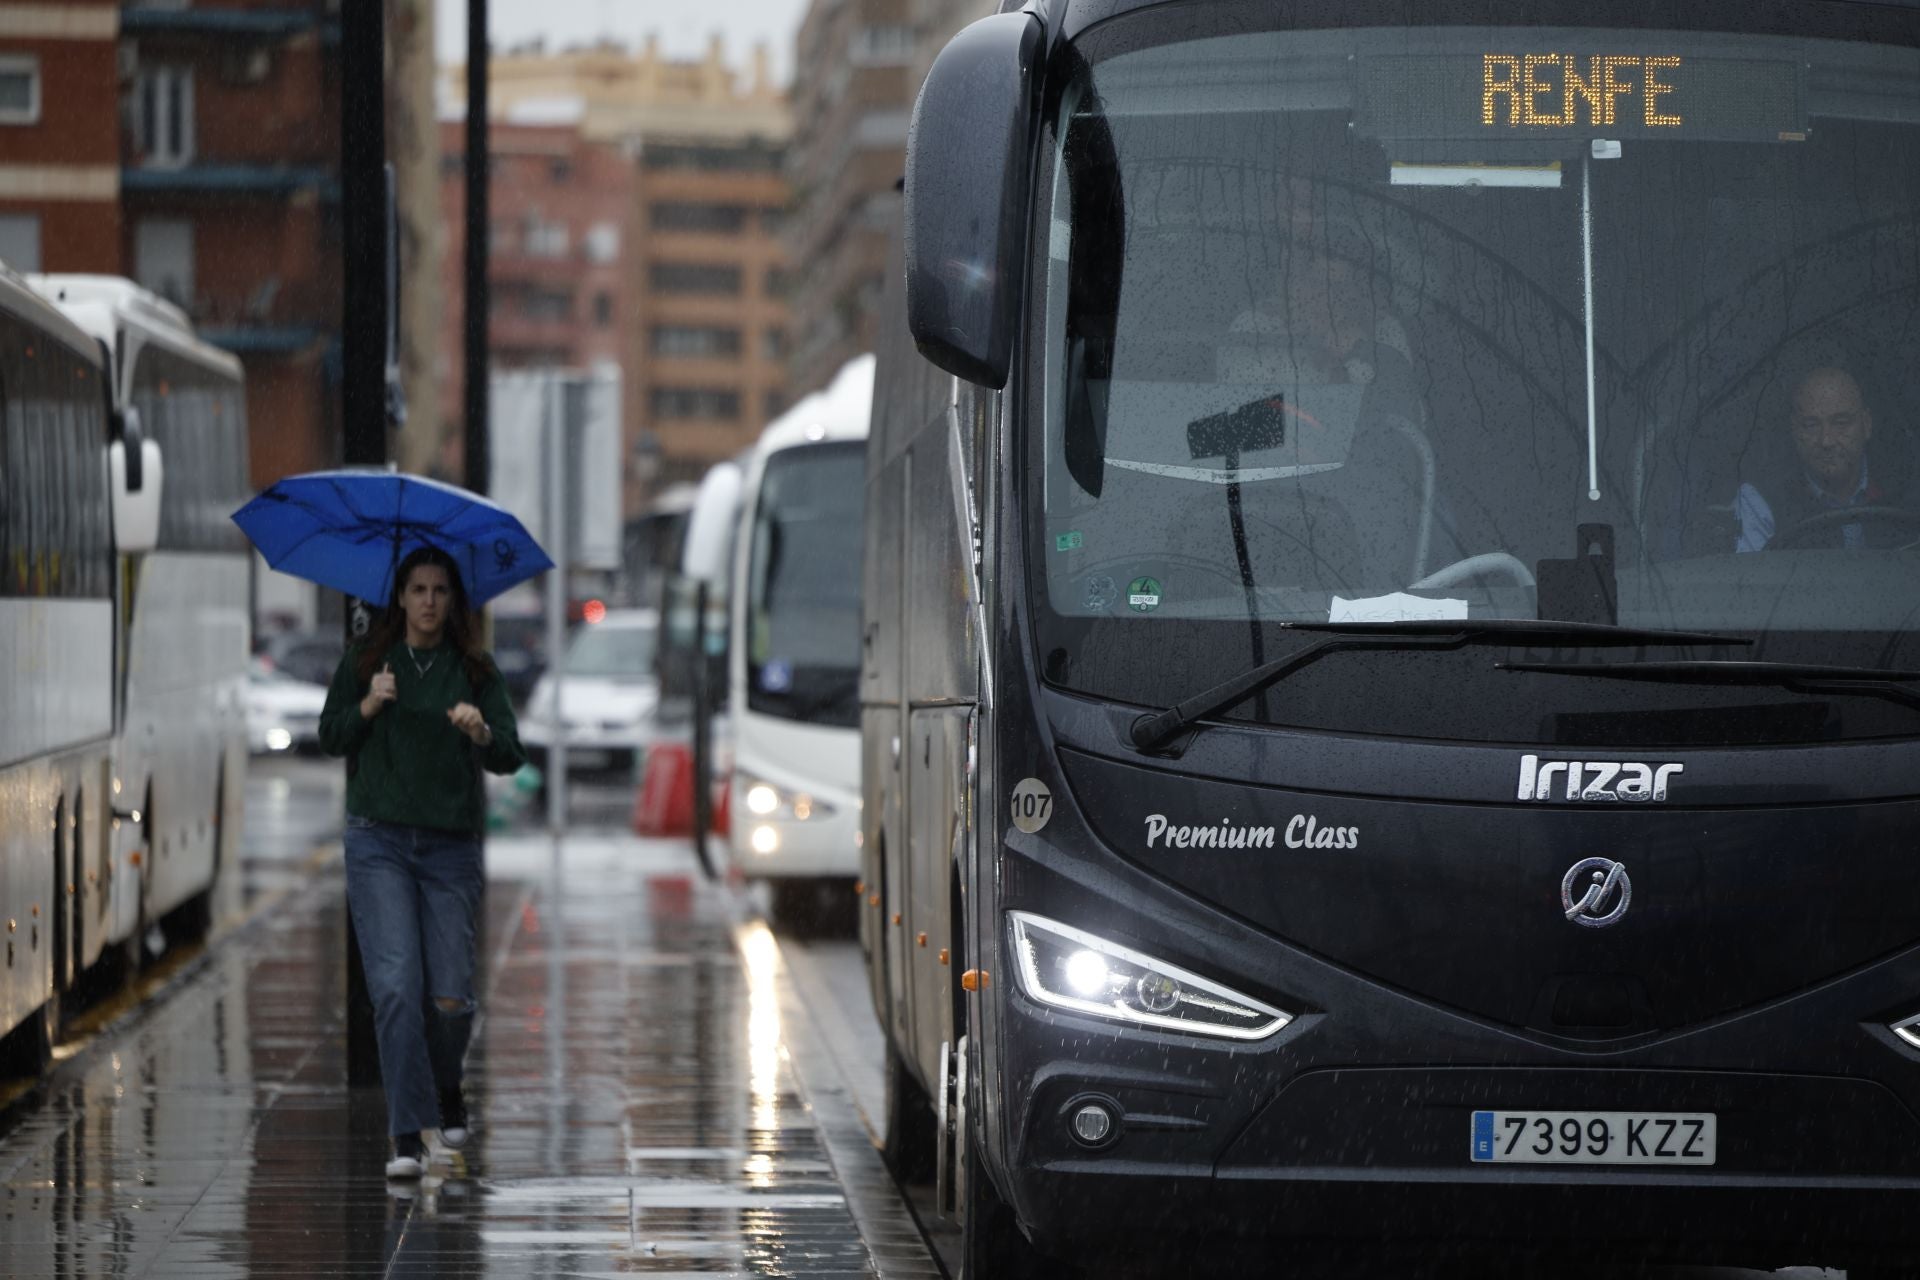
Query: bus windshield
[(803, 606), (1502, 322)]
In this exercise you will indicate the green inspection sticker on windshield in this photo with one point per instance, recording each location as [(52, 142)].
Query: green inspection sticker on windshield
[(1143, 595), (1069, 541)]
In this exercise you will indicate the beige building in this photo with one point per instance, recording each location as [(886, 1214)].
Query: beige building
[(707, 316), (858, 64)]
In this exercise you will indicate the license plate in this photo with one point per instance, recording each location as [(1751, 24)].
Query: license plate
[(1594, 1137)]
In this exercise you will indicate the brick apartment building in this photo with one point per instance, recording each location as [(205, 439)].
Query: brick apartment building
[(195, 149), (711, 286), (561, 209), (230, 200), (60, 135), (858, 67), (705, 314)]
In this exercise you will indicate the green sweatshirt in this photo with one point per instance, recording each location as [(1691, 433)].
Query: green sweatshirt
[(408, 764)]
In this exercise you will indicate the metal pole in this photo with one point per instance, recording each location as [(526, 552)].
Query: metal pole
[(556, 532), (474, 317), (702, 732), (363, 342)]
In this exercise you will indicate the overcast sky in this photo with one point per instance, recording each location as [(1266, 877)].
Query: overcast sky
[(683, 25)]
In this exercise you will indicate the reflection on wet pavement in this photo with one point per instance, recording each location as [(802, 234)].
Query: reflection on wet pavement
[(635, 1104)]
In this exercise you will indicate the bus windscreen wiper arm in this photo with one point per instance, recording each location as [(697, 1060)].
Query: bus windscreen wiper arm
[(1152, 731), (1803, 677)]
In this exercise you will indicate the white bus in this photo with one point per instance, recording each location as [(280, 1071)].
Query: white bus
[(794, 650), (180, 755), (64, 496)]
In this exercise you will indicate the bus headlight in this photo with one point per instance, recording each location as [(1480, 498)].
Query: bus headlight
[(765, 800), (1071, 969)]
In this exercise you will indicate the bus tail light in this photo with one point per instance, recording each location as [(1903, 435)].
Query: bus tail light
[(1071, 969)]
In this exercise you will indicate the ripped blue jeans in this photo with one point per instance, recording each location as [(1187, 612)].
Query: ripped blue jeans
[(413, 892)]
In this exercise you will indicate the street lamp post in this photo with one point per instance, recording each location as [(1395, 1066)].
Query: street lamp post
[(364, 231)]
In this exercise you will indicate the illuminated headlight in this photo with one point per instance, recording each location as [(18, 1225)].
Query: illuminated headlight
[(278, 739), (1069, 969), (1908, 1030), (765, 839), (764, 800)]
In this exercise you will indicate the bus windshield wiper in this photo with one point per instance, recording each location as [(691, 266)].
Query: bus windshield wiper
[(1801, 677), (1152, 731)]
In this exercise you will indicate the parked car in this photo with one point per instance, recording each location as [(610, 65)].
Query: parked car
[(519, 650), (608, 698), (283, 711), (311, 656)]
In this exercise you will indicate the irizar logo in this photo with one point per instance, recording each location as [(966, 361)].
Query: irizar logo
[(1628, 780)]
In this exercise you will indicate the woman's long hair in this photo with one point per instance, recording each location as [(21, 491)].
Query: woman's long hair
[(390, 628)]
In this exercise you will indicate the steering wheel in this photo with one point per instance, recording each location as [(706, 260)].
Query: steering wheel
[(1801, 529)]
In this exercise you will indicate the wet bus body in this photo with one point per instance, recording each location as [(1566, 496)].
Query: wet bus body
[(1389, 695)]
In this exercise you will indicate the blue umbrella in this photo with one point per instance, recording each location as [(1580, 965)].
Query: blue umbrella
[(349, 529)]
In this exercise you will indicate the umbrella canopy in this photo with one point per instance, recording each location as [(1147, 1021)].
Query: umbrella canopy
[(350, 529)]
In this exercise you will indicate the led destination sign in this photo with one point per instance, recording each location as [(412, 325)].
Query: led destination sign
[(1522, 94)]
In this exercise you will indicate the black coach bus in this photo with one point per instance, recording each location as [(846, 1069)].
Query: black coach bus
[(1390, 693)]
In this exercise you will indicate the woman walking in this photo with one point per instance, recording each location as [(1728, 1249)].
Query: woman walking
[(419, 709)]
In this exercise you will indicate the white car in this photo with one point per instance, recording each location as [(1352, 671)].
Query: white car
[(608, 698), (283, 712)]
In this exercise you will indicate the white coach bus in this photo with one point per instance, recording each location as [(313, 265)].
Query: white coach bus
[(64, 492), (794, 655), (180, 755)]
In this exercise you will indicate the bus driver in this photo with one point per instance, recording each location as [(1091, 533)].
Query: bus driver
[(1830, 426)]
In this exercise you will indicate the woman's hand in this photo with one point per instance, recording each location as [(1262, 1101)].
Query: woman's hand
[(384, 690), (467, 719)]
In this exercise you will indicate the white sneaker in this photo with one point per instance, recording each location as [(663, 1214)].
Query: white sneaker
[(409, 1157), (454, 1138)]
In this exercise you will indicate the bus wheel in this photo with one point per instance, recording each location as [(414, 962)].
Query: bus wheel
[(991, 1246), (910, 1141)]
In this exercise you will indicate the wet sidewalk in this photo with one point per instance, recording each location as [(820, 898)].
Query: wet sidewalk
[(650, 1097)]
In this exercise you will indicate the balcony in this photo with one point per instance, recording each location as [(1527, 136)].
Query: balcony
[(230, 180), (266, 319), (256, 24)]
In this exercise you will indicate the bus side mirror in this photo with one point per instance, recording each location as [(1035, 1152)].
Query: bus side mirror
[(704, 555), (968, 184), (134, 472)]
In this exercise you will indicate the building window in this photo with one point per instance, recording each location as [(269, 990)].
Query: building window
[(695, 402), (882, 44), (602, 243), (163, 257), (560, 170), (694, 277), (778, 281), (772, 219), (603, 309), (684, 340), (683, 216), (19, 90), (163, 115), (746, 157), (773, 344), (547, 304), (20, 241), (545, 239)]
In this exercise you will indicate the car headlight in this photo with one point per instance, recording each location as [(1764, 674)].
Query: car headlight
[(764, 800), (1071, 969)]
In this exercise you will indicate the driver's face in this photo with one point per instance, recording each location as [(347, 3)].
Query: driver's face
[(1831, 427)]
